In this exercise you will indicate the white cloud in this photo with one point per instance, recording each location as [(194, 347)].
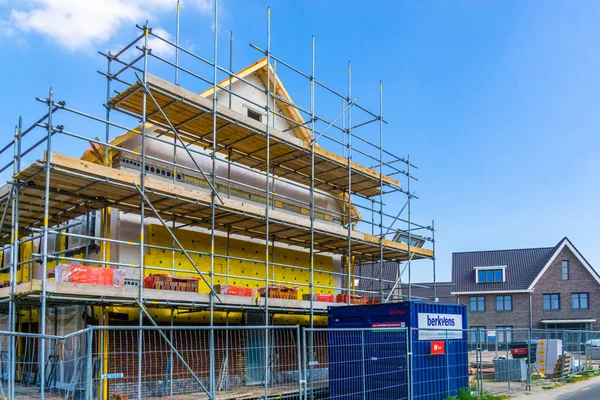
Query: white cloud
[(160, 47), (78, 24)]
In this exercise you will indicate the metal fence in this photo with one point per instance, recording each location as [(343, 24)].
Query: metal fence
[(63, 374), (288, 362), (511, 359), (237, 361), (356, 363)]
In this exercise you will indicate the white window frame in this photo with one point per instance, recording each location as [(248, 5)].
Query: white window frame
[(502, 267), (255, 111)]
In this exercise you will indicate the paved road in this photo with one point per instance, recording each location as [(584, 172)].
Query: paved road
[(585, 393), (584, 390)]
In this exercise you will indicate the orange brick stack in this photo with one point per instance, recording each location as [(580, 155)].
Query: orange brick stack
[(319, 297), (280, 292), (354, 299), (169, 282), (118, 396), (234, 290)]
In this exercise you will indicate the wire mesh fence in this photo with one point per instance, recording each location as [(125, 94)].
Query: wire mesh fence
[(356, 363), (511, 359), (287, 362), (62, 373), (203, 361)]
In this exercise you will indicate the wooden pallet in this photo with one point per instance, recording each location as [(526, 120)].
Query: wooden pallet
[(562, 367)]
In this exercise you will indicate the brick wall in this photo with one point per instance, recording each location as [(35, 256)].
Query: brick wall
[(193, 345), (580, 281), (491, 318)]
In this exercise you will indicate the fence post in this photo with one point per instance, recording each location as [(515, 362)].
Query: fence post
[(11, 362), (562, 357), (364, 370), (528, 382), (479, 362), (299, 361), (304, 363), (578, 352), (89, 394), (447, 351), (507, 345), (409, 364)]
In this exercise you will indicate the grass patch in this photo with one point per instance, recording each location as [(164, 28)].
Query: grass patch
[(582, 376), (466, 394)]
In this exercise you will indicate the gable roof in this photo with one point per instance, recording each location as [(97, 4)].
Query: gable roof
[(524, 267), (94, 152), (566, 243), (288, 110)]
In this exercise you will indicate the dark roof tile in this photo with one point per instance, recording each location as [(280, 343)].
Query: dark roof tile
[(522, 267)]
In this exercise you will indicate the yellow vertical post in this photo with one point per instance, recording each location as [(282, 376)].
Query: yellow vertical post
[(103, 313), (105, 354)]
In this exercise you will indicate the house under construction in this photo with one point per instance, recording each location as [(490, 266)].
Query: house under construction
[(229, 206)]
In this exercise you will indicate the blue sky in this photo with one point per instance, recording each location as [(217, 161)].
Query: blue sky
[(496, 102)]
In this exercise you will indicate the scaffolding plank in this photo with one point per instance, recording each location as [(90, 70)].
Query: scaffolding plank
[(193, 116), (92, 186), (131, 293)]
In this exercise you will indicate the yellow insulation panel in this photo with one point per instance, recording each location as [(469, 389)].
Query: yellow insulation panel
[(247, 272)]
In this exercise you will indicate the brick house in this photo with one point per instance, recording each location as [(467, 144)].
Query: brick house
[(545, 288)]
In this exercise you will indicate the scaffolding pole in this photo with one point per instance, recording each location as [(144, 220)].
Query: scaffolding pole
[(349, 190), (267, 197), (213, 197), (381, 237), (42, 315), (142, 215)]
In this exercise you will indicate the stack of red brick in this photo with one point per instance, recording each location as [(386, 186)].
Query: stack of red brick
[(169, 282), (280, 292), (354, 299), (328, 297)]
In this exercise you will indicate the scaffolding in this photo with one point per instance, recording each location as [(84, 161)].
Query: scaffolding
[(58, 198)]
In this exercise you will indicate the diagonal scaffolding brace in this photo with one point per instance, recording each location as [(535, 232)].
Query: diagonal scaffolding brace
[(183, 250), (396, 219), (176, 133), (143, 309), (398, 280), (8, 200), (334, 121)]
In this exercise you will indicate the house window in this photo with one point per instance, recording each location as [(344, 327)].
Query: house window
[(478, 303), (552, 301), (504, 303), (580, 301), (254, 115), (478, 334), (504, 334), (490, 275), (565, 270)]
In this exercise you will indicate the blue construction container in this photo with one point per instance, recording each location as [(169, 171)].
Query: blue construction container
[(384, 359)]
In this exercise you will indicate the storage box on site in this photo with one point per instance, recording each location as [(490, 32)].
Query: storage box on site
[(439, 365)]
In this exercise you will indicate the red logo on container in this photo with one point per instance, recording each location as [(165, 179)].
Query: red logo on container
[(397, 312), (437, 347)]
